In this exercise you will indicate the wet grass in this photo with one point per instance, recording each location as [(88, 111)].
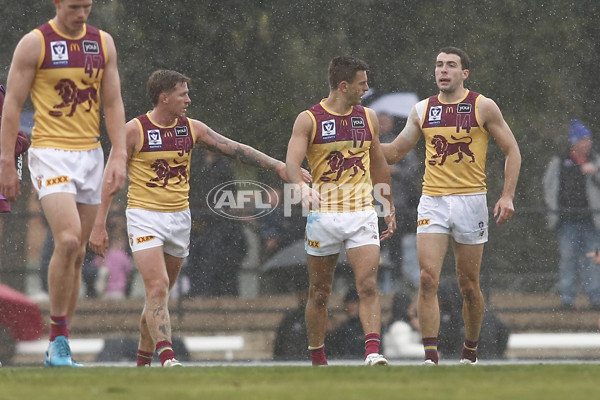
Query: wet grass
[(561, 381)]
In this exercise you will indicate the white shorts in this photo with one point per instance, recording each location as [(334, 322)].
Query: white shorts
[(327, 232), (147, 229), (464, 217), (63, 171)]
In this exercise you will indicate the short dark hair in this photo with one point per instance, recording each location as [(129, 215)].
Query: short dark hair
[(465, 61), (344, 68), (164, 81)]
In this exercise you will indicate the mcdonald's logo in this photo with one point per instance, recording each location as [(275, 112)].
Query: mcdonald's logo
[(449, 110), (344, 122), (74, 47), (169, 134)]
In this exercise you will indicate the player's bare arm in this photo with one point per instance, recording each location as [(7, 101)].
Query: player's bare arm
[(496, 125), (114, 112), (296, 152), (218, 143), (99, 240), (405, 141), (20, 78), (380, 174)]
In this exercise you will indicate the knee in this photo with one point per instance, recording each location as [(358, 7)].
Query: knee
[(469, 289), (68, 244), (319, 294), (367, 288), (157, 289), (428, 282)]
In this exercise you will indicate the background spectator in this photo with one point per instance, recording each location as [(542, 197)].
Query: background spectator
[(406, 189), (217, 244), (572, 195), (114, 270), (348, 339), (291, 341), (402, 337)]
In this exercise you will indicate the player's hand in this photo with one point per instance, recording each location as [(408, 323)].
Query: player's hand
[(306, 176), (310, 198), (10, 187), (595, 255), (99, 240), (390, 221), (116, 170), (503, 210)]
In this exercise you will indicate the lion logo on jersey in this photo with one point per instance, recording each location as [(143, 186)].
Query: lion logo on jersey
[(443, 148), (164, 172), (338, 164), (72, 96)]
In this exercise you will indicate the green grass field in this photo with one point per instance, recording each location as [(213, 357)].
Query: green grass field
[(502, 382)]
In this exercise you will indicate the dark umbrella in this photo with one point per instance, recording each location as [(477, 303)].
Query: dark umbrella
[(20, 315), (289, 266)]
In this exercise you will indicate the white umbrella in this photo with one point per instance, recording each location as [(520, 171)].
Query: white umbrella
[(398, 104)]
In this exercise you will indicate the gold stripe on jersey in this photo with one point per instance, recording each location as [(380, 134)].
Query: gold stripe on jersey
[(66, 99), (341, 167), (159, 179), (454, 161)]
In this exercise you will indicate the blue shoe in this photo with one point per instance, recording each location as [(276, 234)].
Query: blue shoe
[(59, 354)]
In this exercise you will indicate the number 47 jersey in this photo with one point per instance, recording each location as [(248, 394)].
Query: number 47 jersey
[(66, 89)]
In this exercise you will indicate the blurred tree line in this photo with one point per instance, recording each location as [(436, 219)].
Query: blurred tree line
[(256, 64)]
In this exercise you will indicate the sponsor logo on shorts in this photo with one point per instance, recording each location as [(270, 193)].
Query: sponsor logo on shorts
[(143, 239), (423, 222), (57, 180), (39, 179), (314, 243)]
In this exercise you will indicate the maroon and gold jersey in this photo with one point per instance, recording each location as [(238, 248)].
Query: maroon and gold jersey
[(159, 169), (455, 146), (66, 89), (338, 156)]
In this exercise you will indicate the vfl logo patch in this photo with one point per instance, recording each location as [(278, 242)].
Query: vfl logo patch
[(181, 131), (143, 239), (435, 115), (464, 108), (60, 54), (328, 129), (57, 180), (154, 139), (423, 222), (358, 122), (91, 47), (314, 243)]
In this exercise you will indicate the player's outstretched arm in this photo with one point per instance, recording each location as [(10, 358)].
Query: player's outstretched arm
[(243, 153), (405, 141)]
